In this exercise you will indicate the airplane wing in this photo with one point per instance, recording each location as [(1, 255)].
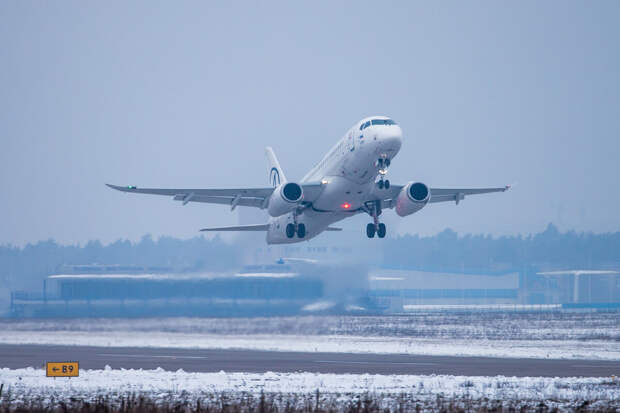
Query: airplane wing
[(458, 194), (252, 197), (442, 194)]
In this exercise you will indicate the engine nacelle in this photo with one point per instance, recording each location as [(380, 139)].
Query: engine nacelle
[(285, 198), (412, 198)]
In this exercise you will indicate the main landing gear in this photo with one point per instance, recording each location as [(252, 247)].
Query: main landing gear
[(291, 231), (295, 228), (383, 163), (375, 227), (379, 229)]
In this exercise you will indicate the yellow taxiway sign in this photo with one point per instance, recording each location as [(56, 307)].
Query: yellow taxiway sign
[(62, 369)]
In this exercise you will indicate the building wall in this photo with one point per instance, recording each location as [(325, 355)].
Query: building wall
[(392, 289), (139, 295), (225, 287)]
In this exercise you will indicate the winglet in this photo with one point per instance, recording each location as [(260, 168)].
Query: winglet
[(128, 188), (507, 187)]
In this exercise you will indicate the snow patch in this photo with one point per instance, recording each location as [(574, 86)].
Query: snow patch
[(30, 383), (554, 349)]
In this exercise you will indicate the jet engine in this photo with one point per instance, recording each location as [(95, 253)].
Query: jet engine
[(285, 198), (412, 198)]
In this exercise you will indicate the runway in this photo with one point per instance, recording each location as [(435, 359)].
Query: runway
[(200, 360)]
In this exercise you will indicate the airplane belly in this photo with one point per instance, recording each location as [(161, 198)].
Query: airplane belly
[(315, 222), (342, 195)]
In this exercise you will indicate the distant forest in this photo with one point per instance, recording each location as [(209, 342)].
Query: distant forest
[(549, 249), (26, 267)]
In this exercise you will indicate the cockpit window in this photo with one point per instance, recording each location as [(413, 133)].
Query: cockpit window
[(383, 122), (377, 122)]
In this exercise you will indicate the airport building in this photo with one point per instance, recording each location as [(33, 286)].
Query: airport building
[(574, 288), (256, 290), (400, 290), (304, 286)]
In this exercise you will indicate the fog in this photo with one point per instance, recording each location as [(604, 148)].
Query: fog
[(492, 270)]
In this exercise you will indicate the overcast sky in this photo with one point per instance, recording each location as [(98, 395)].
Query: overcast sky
[(187, 94)]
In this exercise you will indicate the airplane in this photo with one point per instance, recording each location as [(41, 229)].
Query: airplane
[(349, 180)]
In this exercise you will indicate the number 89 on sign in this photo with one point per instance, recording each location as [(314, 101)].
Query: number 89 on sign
[(62, 369)]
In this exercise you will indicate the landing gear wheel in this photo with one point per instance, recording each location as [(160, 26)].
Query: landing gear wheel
[(381, 230), (380, 184), (370, 230), (386, 184), (290, 230), (301, 230)]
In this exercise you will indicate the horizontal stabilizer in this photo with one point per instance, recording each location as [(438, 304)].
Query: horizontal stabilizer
[(255, 227)]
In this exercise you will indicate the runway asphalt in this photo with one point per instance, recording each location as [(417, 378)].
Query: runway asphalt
[(199, 360)]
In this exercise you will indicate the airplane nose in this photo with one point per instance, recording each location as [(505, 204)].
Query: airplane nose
[(391, 139)]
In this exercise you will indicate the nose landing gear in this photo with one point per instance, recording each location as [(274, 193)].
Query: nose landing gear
[(383, 183), (383, 163)]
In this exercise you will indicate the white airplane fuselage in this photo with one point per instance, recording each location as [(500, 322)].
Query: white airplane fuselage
[(347, 174)]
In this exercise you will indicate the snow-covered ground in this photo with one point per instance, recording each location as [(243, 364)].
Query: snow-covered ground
[(592, 349), (498, 334), (497, 325), (22, 385)]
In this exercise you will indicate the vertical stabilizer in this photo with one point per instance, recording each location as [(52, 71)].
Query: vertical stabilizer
[(276, 176)]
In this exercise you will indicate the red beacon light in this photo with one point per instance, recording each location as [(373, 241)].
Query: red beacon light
[(346, 205)]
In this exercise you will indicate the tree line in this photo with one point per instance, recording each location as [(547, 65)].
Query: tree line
[(25, 267)]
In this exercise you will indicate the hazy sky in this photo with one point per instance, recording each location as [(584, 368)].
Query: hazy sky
[(187, 94)]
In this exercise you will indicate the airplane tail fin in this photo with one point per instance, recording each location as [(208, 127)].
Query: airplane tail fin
[(276, 175)]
